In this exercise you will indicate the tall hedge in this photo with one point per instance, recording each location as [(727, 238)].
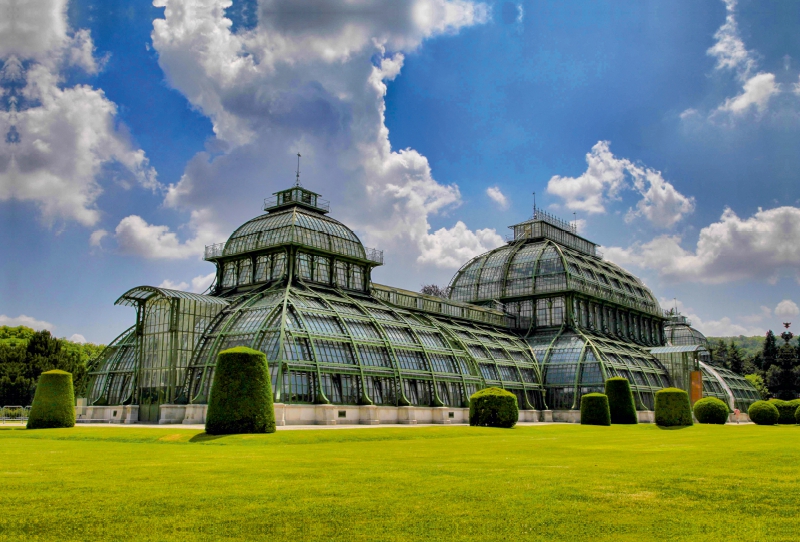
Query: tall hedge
[(786, 411), (711, 410), (54, 401), (673, 408), (594, 409), (241, 394), (763, 413), (620, 401), (797, 415), (493, 407)]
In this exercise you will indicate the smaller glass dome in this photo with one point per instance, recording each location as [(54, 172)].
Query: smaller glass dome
[(678, 331)]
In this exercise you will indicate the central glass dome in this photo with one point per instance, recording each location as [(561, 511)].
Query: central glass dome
[(296, 225)]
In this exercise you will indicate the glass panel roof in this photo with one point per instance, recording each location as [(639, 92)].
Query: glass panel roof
[(323, 332), (295, 225), (512, 270)]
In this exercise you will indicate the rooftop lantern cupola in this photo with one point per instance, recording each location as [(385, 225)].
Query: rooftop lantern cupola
[(296, 195), (295, 240)]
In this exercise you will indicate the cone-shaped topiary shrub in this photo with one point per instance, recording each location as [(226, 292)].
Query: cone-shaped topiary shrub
[(241, 394), (54, 401), (594, 409), (763, 413), (620, 401), (785, 411), (493, 407), (673, 408), (711, 410)]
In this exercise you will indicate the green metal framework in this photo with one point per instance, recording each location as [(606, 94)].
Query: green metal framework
[(686, 341), (332, 346), (544, 317), (585, 318)]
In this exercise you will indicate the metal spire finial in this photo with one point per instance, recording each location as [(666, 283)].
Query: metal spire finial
[(297, 180)]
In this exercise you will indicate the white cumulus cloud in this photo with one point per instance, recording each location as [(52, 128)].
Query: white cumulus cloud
[(762, 247), (97, 237), (451, 248), (724, 327), (313, 83), (77, 338), (731, 54), (787, 309), (198, 285), (497, 196), (55, 139), (606, 176), (23, 320), (137, 237), (757, 91)]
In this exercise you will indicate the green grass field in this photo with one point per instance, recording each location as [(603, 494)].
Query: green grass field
[(565, 482)]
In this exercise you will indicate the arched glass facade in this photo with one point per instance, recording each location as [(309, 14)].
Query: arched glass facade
[(575, 363), (327, 346)]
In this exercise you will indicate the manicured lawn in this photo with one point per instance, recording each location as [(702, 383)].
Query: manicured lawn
[(561, 482)]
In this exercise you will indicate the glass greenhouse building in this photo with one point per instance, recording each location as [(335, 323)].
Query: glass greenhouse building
[(544, 317)]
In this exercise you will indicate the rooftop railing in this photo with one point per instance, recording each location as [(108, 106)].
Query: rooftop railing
[(214, 251), (374, 255), (444, 307), (302, 198)]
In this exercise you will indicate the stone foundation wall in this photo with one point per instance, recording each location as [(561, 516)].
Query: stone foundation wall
[(306, 414)]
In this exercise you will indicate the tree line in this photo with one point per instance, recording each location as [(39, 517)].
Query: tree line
[(25, 354), (774, 369)]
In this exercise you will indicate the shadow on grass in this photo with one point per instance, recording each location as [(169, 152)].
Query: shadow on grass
[(673, 427), (205, 437)]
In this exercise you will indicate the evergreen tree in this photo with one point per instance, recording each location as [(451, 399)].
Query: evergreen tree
[(769, 352), (719, 354), (782, 375), (735, 361)]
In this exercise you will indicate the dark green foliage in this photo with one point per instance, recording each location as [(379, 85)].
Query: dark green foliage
[(673, 408), (786, 410), (54, 402), (711, 410), (769, 352), (493, 407), (758, 384), (782, 376), (719, 353), (763, 413), (241, 394), (25, 354), (797, 415), (594, 409), (735, 358), (620, 401)]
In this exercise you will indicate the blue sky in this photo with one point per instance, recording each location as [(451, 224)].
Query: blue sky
[(135, 134)]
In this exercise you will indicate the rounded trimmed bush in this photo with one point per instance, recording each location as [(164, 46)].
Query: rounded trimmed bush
[(711, 410), (797, 415), (785, 411), (594, 409), (241, 394), (54, 401), (493, 407), (763, 413), (673, 408), (620, 401)]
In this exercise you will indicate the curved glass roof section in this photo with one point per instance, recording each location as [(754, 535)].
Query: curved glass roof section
[(295, 225), (678, 331), (111, 379), (575, 363), (326, 346), (521, 269)]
